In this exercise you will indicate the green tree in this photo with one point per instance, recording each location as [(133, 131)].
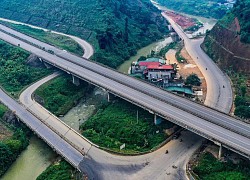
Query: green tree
[(239, 101), (142, 58), (5, 157), (193, 79), (14, 145), (242, 111)]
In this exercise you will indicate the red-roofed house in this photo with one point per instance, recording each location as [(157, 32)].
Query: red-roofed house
[(155, 72), (142, 65)]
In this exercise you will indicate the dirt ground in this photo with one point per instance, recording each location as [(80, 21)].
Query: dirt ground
[(4, 132), (185, 69), (183, 21)]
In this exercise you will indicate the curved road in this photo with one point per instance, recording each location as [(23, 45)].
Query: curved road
[(217, 96), (108, 166), (140, 92), (182, 103), (179, 153)]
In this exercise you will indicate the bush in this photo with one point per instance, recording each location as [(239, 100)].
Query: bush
[(3, 109), (117, 123), (11, 148), (14, 73), (242, 111), (193, 79), (5, 158), (61, 171), (61, 94), (209, 168)]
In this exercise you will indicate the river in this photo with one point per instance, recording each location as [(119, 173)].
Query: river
[(32, 161), (156, 46), (38, 156), (208, 23)]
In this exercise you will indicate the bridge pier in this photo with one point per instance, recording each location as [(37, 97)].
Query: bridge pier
[(76, 80), (220, 151), (48, 66), (110, 97), (157, 119)]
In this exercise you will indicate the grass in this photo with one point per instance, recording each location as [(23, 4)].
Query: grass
[(15, 74), (242, 92), (164, 50), (116, 124), (3, 109), (210, 168), (60, 94), (59, 41), (61, 170)]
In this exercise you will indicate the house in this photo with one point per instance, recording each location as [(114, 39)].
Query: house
[(159, 72), (140, 66)]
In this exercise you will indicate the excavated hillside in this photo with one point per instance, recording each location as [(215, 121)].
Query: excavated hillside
[(228, 43)]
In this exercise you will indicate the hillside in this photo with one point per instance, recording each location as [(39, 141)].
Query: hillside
[(228, 43), (116, 28)]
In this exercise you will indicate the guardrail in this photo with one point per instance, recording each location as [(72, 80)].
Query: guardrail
[(127, 84), (126, 98)]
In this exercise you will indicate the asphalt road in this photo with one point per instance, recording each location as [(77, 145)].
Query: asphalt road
[(102, 165), (217, 96), (179, 153), (157, 100), (44, 132)]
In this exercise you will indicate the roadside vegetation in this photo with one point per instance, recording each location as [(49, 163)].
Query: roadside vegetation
[(197, 7), (209, 168), (14, 139), (242, 10), (59, 41), (116, 124), (164, 50), (60, 94), (193, 80), (60, 170), (116, 28), (3, 109), (241, 86), (15, 74)]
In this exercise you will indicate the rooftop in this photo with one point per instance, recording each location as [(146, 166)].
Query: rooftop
[(147, 63), (162, 67)]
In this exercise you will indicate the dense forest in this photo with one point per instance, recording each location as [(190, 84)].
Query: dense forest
[(116, 28), (242, 11), (210, 8)]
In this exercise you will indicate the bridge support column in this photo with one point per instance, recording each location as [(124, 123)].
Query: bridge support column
[(157, 120), (110, 97), (76, 80), (220, 151), (48, 66)]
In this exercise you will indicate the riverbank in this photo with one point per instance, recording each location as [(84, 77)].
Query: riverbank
[(14, 139), (32, 161)]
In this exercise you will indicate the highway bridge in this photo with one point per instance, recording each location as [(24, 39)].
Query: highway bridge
[(207, 122)]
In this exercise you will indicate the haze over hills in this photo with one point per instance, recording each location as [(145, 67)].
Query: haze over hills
[(117, 28)]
